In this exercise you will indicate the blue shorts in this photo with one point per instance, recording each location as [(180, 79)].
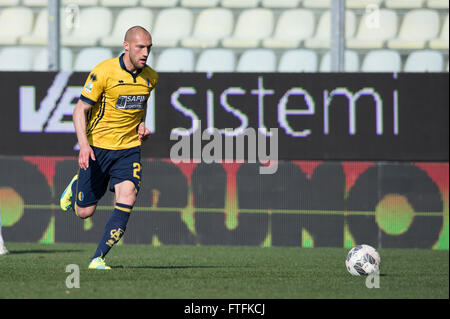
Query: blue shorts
[(110, 166)]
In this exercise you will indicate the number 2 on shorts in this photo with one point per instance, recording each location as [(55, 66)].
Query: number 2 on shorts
[(136, 170)]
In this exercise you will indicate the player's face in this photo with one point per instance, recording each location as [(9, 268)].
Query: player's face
[(139, 49)]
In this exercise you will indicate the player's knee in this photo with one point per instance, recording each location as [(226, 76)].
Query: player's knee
[(83, 215), (85, 212), (128, 198), (126, 193)]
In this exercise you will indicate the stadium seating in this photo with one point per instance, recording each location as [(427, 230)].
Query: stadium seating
[(443, 40), (240, 3), (362, 4), (88, 58), (172, 25), (373, 34), (404, 4), (317, 4), (16, 58), (351, 62), (176, 60), (40, 62), (299, 60), (35, 3), (127, 18), (14, 23), (159, 3), (257, 60), (438, 4), (321, 39), (293, 26), (289, 28), (252, 26), (39, 35), (280, 3), (9, 2), (87, 31), (119, 3), (80, 2), (382, 61), (199, 3), (216, 60), (211, 26), (417, 28), (424, 61)]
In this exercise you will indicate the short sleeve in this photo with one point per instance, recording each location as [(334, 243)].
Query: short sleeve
[(94, 86), (155, 79)]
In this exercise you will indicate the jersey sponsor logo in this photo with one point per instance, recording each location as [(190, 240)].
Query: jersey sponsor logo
[(131, 102)]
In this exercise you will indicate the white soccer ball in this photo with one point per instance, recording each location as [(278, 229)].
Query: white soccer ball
[(363, 260)]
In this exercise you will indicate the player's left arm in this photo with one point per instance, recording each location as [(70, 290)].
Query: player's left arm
[(143, 131)]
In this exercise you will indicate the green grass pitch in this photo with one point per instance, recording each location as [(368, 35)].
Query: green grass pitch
[(217, 272)]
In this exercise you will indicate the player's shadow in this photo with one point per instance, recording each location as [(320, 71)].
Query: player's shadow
[(43, 251), (172, 267), (381, 275)]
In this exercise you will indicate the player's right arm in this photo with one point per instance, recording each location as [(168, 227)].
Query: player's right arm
[(79, 121), (92, 90)]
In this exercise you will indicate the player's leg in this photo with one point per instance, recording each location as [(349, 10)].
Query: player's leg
[(87, 187), (3, 250), (90, 188), (125, 182), (126, 193), (85, 212), (66, 201), (117, 222)]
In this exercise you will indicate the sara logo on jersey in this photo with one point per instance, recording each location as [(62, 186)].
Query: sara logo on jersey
[(131, 102)]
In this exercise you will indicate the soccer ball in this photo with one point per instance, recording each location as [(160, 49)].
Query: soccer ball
[(363, 260)]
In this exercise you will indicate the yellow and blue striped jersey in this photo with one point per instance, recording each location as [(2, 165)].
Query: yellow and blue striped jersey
[(119, 99)]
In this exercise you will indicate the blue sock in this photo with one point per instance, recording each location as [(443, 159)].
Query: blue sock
[(114, 229)]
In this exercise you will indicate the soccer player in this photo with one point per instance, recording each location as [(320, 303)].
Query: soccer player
[(3, 250), (109, 120)]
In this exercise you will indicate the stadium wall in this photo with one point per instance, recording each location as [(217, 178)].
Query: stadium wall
[(362, 158)]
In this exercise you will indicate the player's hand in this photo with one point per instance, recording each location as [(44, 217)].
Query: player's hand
[(143, 132), (83, 158)]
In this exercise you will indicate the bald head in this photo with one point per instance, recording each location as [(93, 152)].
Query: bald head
[(135, 31), (137, 44)]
